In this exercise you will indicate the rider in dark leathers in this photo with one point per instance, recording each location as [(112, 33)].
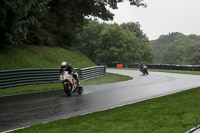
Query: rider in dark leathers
[(143, 68)]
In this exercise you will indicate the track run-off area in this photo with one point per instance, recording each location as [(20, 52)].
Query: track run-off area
[(19, 111)]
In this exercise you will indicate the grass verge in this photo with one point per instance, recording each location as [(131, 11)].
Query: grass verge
[(109, 78), (175, 113), (176, 71), (33, 56)]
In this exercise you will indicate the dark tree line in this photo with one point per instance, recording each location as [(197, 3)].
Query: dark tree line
[(50, 22), (106, 43), (177, 48)]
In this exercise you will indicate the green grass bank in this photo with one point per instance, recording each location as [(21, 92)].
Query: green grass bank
[(33, 56)]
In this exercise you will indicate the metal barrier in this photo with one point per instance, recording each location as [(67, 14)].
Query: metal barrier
[(12, 78), (92, 72), (169, 67)]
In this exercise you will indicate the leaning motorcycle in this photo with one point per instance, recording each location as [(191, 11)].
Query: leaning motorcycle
[(70, 84), (145, 70)]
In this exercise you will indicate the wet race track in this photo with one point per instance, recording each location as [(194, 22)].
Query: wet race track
[(26, 110)]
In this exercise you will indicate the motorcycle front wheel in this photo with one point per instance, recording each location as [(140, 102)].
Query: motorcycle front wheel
[(68, 89)]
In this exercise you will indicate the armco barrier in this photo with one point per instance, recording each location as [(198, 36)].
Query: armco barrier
[(169, 67), (92, 72), (12, 78)]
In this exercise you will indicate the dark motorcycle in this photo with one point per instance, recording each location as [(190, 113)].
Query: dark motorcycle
[(144, 70)]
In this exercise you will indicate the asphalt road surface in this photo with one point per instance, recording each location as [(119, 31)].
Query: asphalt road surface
[(29, 109)]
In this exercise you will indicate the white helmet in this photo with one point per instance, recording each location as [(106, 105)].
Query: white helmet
[(64, 65)]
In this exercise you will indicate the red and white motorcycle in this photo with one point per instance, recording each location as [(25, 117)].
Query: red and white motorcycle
[(70, 84)]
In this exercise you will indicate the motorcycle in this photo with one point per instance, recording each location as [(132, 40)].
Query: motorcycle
[(70, 84), (145, 70)]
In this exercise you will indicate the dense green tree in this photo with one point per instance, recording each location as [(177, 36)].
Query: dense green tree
[(105, 43), (87, 40), (177, 48), (135, 28), (50, 22), (113, 45), (145, 50), (160, 44), (69, 17), (16, 16)]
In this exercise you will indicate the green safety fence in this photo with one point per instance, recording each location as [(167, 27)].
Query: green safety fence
[(92, 72), (13, 78)]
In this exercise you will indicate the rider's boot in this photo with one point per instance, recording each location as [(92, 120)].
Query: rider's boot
[(78, 83)]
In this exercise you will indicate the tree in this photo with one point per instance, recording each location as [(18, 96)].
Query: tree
[(16, 17), (135, 28), (69, 17), (145, 50), (177, 48), (105, 43), (112, 45), (50, 22), (87, 40), (117, 44)]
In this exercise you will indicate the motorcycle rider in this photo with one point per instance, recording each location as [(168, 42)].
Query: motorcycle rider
[(141, 66), (144, 68), (66, 67)]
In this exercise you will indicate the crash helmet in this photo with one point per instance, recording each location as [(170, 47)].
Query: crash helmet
[(64, 65)]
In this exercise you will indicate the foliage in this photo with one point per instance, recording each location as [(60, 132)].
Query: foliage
[(114, 44), (16, 18), (177, 48), (135, 28), (87, 40), (50, 22), (106, 43)]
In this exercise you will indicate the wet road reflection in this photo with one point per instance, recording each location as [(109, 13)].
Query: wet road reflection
[(25, 110)]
